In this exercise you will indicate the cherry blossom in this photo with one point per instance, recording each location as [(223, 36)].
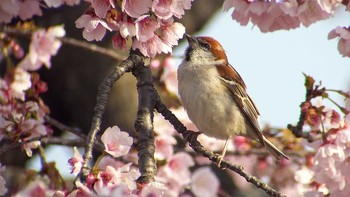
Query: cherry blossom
[(204, 182), (151, 47), (20, 84), (164, 146), (136, 8), (164, 9), (171, 32), (76, 162), (328, 163), (29, 8), (177, 168), (81, 190), (13, 8), (145, 28), (111, 178), (35, 188), (94, 27), (117, 143), (169, 76), (127, 27), (344, 42), (271, 16), (102, 6), (119, 42), (44, 44), (153, 189)]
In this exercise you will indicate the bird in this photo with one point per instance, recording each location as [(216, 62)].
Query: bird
[(214, 95)]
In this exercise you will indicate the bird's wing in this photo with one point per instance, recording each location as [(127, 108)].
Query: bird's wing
[(235, 85)]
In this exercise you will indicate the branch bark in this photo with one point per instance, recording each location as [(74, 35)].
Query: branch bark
[(148, 98), (101, 101)]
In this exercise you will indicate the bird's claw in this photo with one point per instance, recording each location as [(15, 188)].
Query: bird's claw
[(191, 136)]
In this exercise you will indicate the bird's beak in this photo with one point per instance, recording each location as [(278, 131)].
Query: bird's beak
[(192, 41)]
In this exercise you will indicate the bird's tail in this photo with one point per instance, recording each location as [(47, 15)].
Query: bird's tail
[(274, 150)]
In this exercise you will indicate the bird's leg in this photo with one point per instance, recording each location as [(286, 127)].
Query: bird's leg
[(221, 157)]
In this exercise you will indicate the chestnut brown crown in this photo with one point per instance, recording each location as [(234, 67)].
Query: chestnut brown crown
[(203, 45)]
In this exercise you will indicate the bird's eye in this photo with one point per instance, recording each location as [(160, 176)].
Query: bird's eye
[(206, 46)]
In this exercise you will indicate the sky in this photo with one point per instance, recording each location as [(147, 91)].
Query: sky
[(271, 65)]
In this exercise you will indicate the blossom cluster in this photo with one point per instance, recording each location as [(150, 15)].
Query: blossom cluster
[(275, 15), (271, 16), (344, 42), (10, 9), (22, 110), (149, 24)]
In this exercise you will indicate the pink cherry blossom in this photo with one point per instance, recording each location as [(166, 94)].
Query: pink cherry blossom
[(151, 47), (164, 146), (329, 5), (8, 10), (162, 8), (117, 143), (169, 76), (145, 28), (153, 189), (21, 83), (109, 161), (136, 8), (171, 32), (76, 162), (179, 6), (94, 27), (111, 178), (3, 188), (204, 182), (119, 42), (81, 191), (327, 167), (310, 12), (44, 44), (344, 42), (35, 188), (177, 168), (127, 27), (29, 8), (102, 6)]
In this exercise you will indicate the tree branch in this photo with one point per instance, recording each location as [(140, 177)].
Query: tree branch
[(148, 98), (102, 96), (196, 146)]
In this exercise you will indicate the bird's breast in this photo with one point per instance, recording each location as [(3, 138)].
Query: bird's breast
[(207, 102)]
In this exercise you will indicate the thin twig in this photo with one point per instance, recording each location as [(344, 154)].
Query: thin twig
[(63, 127)]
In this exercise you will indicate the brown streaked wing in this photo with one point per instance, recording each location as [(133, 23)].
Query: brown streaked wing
[(235, 84)]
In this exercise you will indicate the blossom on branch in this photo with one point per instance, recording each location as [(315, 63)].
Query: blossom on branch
[(117, 143)]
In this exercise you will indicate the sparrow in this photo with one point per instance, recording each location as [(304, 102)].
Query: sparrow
[(215, 97)]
